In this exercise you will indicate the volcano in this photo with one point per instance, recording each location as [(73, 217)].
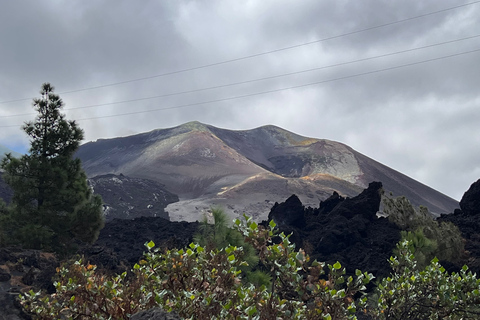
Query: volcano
[(247, 171)]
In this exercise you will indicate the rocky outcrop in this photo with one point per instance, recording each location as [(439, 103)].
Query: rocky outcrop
[(470, 203), (467, 219), (21, 270), (346, 230), (288, 213)]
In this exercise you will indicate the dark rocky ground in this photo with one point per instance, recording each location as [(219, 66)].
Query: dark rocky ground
[(128, 198), (21, 270), (121, 243)]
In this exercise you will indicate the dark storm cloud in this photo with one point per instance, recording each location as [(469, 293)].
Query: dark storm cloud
[(420, 119)]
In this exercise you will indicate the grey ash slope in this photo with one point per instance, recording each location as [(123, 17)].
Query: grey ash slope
[(248, 170)]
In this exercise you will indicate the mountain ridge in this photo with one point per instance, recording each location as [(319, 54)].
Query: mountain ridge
[(247, 170)]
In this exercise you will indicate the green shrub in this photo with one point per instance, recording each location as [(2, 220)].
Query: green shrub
[(422, 247), (430, 293), (220, 234), (206, 284), (444, 237)]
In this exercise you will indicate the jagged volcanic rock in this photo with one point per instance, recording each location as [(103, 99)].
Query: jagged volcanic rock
[(467, 219), (20, 270), (345, 230), (470, 203), (289, 213), (128, 198)]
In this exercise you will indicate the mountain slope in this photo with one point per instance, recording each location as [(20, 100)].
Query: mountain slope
[(246, 171), (4, 150)]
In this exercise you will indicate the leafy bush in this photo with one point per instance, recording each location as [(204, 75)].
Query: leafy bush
[(429, 293), (443, 240), (219, 235), (422, 247), (200, 284)]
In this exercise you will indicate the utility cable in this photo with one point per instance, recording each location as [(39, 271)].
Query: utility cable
[(275, 90), (256, 54), (254, 80)]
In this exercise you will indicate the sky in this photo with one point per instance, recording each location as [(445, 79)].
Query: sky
[(395, 80)]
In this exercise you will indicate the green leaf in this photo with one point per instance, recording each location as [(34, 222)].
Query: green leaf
[(300, 256), (272, 224), (337, 265), (150, 245)]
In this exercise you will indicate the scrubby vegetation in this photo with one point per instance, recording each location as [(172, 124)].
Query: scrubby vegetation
[(219, 234), (200, 284), (418, 293), (428, 238)]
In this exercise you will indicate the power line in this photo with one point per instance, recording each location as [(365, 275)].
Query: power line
[(256, 54), (275, 90), (255, 80)]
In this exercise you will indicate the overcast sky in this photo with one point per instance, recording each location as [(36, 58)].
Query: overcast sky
[(416, 111)]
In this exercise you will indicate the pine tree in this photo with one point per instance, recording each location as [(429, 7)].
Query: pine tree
[(53, 207)]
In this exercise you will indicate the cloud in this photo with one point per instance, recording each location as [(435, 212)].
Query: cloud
[(420, 119)]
